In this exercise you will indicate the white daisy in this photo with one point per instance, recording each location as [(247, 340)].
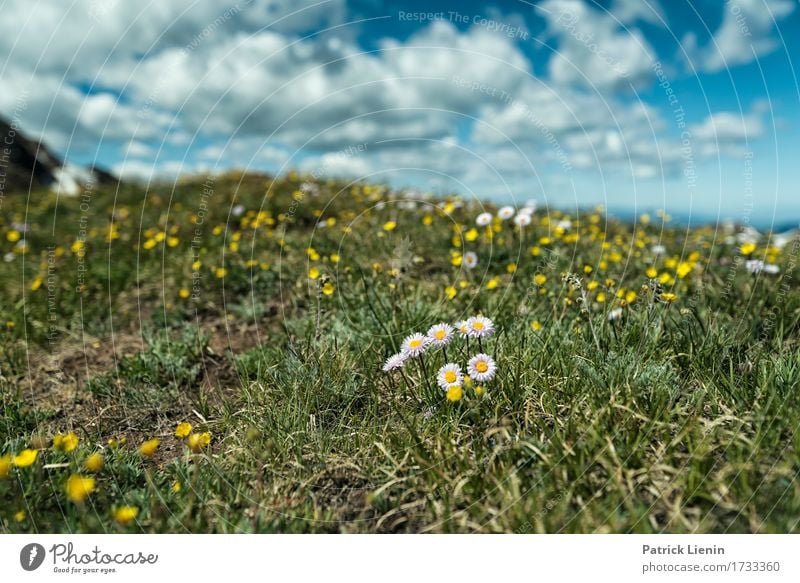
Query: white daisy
[(526, 210), (481, 368), (522, 220), (754, 265), (395, 361), (483, 219), (771, 268), (506, 212), (658, 249), (480, 327), (449, 374), (440, 334), (615, 314), (462, 326), (415, 345), (470, 260)]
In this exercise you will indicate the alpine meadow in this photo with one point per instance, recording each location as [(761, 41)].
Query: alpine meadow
[(285, 355)]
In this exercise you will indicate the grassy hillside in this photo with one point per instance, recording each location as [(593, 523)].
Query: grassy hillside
[(646, 375)]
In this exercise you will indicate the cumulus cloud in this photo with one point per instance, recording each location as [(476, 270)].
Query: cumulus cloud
[(630, 11), (593, 48), (745, 34), (201, 85)]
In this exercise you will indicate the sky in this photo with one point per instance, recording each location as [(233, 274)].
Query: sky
[(636, 105)]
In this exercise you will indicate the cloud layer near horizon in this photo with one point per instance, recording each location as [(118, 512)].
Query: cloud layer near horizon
[(163, 88)]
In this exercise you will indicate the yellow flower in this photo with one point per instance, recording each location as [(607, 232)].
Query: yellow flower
[(197, 441), (25, 458), (511, 268), (492, 283), (536, 325), (173, 241), (471, 235), (13, 236), (220, 272), (630, 297), (149, 447), (183, 430), (335, 258), (196, 265), (592, 285), (684, 269), (20, 516), (600, 298), (124, 514), (183, 293), (313, 273), (328, 288), (454, 393), (747, 248), (5, 466), (479, 390), (115, 443), (669, 297), (94, 463), (450, 292), (389, 226), (427, 220), (149, 244), (79, 487), (651, 272), (176, 486), (65, 443), (587, 269), (539, 279)]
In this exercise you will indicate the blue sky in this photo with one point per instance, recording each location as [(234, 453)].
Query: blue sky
[(634, 104)]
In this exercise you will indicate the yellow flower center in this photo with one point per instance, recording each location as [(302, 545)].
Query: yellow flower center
[(478, 325), (481, 366), (416, 343), (439, 335), (450, 377)]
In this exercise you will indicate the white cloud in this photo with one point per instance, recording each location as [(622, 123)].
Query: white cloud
[(240, 86), (630, 11), (745, 34), (136, 149), (593, 49)]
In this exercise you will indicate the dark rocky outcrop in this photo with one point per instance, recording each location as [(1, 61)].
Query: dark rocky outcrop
[(27, 164)]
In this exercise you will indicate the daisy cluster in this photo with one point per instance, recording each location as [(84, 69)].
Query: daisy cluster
[(520, 217), (450, 377)]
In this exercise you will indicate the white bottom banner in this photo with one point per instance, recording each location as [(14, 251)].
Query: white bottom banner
[(372, 558)]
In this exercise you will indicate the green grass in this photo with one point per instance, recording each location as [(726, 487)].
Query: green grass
[(677, 417)]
